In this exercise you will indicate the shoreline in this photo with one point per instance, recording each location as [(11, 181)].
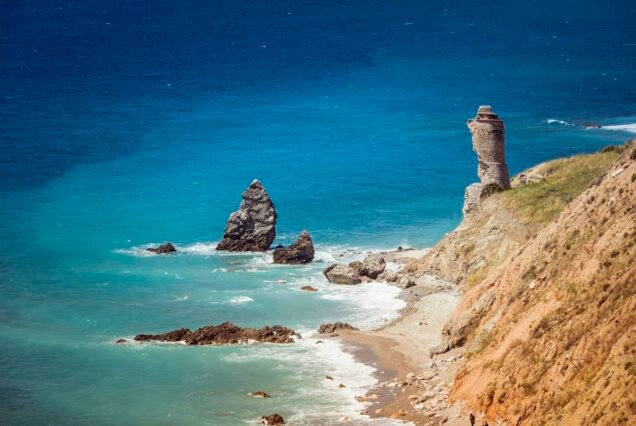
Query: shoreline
[(412, 386)]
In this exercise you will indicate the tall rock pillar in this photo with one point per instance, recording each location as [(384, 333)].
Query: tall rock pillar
[(489, 143)]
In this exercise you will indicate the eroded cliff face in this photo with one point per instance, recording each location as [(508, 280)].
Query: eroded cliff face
[(548, 319)]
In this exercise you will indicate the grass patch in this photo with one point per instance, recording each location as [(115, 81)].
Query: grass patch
[(565, 178)]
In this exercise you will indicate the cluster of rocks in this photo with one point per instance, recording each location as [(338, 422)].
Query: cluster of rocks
[(222, 334), (331, 328), (428, 391), (356, 272), (489, 143), (253, 228)]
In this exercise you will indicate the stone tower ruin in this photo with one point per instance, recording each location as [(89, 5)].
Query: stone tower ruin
[(489, 143)]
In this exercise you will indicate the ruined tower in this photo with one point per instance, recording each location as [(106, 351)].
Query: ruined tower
[(489, 143)]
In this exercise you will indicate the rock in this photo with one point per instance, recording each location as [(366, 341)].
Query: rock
[(121, 341), (341, 386), (356, 265), (373, 265), (328, 377), (272, 419), (259, 394), (333, 327), (341, 274), (406, 282), (489, 143), (308, 288), (388, 276), (253, 226), (298, 253), (225, 333), (162, 249)]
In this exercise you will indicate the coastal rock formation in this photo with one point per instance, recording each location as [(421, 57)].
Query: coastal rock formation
[(372, 266), (298, 253), (341, 274), (333, 327), (489, 143), (222, 334), (259, 394), (308, 288), (162, 249), (253, 226), (272, 419)]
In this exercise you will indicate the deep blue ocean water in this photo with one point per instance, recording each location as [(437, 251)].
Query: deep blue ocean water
[(130, 123)]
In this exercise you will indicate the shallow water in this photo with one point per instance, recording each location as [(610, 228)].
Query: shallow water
[(130, 124)]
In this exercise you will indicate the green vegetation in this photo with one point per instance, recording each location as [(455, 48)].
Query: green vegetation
[(564, 179)]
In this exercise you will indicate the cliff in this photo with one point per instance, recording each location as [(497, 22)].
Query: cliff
[(548, 317)]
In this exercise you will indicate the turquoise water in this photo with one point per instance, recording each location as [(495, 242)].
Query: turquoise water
[(128, 125)]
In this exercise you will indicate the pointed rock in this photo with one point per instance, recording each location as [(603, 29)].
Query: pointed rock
[(298, 253), (162, 249), (253, 226)]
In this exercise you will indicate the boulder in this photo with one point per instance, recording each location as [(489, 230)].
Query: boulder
[(405, 282), (333, 327), (272, 419), (121, 341), (253, 226), (225, 333), (162, 249), (298, 253), (373, 265), (308, 288), (341, 274), (356, 265), (388, 276)]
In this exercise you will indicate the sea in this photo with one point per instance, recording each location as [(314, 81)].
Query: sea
[(125, 124)]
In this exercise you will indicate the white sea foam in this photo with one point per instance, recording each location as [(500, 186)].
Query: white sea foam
[(629, 127), (555, 121), (239, 300)]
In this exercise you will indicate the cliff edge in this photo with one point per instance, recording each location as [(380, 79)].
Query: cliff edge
[(548, 317)]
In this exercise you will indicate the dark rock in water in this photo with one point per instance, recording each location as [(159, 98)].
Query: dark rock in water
[(273, 419), (259, 394), (333, 327), (341, 274), (162, 249), (121, 341), (222, 334), (171, 336), (308, 288), (253, 226), (372, 266), (298, 253)]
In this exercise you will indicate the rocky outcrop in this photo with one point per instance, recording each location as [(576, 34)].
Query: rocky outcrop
[(272, 419), (308, 288), (356, 272), (223, 334), (342, 274), (259, 394), (298, 253), (162, 249), (333, 327), (489, 143), (372, 266), (253, 226)]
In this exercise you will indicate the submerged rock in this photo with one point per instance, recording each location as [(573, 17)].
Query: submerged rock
[(121, 341), (308, 288), (225, 333), (373, 265), (341, 274), (253, 226), (272, 419), (333, 327), (162, 249), (298, 253), (259, 394)]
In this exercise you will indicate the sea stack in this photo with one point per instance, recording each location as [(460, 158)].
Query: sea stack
[(253, 226), (489, 143), (298, 253)]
